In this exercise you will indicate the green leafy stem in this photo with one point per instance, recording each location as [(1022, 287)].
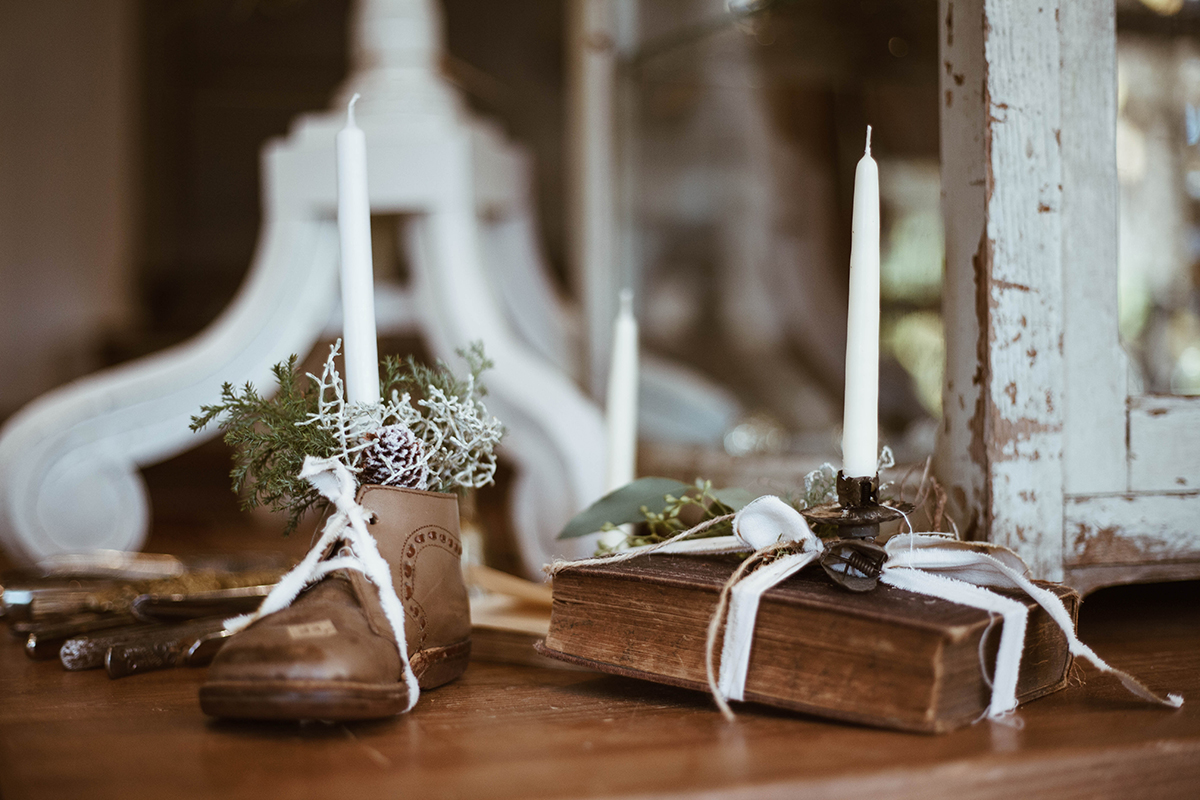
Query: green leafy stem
[(271, 436)]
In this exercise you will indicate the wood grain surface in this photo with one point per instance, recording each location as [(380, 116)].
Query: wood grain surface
[(506, 731)]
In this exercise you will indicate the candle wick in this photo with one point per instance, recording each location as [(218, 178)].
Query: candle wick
[(868, 140), (353, 100)]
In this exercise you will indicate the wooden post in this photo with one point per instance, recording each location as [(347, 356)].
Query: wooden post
[(1001, 446), (591, 170), (1042, 448)]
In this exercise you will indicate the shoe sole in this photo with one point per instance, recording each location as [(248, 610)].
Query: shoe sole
[(335, 701)]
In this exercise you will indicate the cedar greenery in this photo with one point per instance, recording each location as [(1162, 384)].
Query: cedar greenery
[(407, 375), (271, 436), (270, 443)]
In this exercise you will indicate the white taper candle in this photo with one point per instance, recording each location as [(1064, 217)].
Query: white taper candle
[(621, 409), (358, 287), (860, 423)]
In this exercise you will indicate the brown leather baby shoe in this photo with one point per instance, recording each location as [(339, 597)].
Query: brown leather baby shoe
[(332, 654)]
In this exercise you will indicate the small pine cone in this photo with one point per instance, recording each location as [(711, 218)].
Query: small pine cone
[(396, 457)]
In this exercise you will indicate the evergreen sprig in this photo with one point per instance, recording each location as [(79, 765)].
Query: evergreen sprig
[(268, 443), (271, 436)]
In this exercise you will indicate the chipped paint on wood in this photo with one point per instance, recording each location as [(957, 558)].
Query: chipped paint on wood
[(961, 453), (1131, 529), (1004, 252), (1164, 454)]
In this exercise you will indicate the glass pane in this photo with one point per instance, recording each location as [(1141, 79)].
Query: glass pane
[(1158, 165), (744, 125)]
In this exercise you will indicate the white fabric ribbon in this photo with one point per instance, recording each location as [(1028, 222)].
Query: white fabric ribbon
[(931, 564), (358, 552)]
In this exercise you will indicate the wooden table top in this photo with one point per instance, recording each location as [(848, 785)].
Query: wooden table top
[(522, 732), (505, 731)]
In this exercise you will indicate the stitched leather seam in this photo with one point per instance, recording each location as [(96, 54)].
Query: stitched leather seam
[(416, 542)]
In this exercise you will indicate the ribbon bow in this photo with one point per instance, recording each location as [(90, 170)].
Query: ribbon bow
[(358, 552), (781, 544)]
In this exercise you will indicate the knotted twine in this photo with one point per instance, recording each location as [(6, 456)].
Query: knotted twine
[(358, 552), (933, 564)]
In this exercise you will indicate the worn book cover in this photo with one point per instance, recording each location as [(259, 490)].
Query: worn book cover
[(886, 657)]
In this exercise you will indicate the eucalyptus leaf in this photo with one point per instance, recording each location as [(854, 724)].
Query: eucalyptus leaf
[(735, 497), (623, 505)]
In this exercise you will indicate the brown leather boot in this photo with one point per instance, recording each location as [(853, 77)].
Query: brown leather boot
[(332, 653)]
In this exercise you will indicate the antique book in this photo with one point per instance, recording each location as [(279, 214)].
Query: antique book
[(886, 657)]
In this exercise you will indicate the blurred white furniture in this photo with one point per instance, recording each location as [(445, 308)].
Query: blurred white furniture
[(69, 461)]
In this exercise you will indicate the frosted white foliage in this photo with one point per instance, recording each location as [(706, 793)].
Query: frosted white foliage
[(887, 459), (820, 485), (458, 436)]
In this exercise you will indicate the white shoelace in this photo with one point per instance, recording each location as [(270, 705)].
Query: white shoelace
[(358, 552)]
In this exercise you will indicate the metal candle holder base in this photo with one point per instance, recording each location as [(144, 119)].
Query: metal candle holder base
[(857, 513)]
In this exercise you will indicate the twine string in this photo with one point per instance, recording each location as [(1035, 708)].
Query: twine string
[(781, 543)]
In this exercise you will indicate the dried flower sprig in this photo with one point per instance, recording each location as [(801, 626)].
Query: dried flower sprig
[(271, 436)]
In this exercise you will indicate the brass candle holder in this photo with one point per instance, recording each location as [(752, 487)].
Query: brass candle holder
[(857, 513), (853, 559)]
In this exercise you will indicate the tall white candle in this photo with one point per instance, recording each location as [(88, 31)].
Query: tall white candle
[(358, 287), (860, 423), (621, 408)]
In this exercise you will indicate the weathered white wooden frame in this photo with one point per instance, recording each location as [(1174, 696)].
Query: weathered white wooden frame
[(1042, 447)]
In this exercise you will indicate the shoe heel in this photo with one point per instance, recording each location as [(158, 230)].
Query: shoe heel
[(435, 666)]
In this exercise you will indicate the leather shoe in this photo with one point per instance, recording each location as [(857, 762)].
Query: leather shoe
[(332, 653)]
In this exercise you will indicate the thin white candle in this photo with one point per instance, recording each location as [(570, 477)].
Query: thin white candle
[(860, 423), (621, 408), (358, 287)]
